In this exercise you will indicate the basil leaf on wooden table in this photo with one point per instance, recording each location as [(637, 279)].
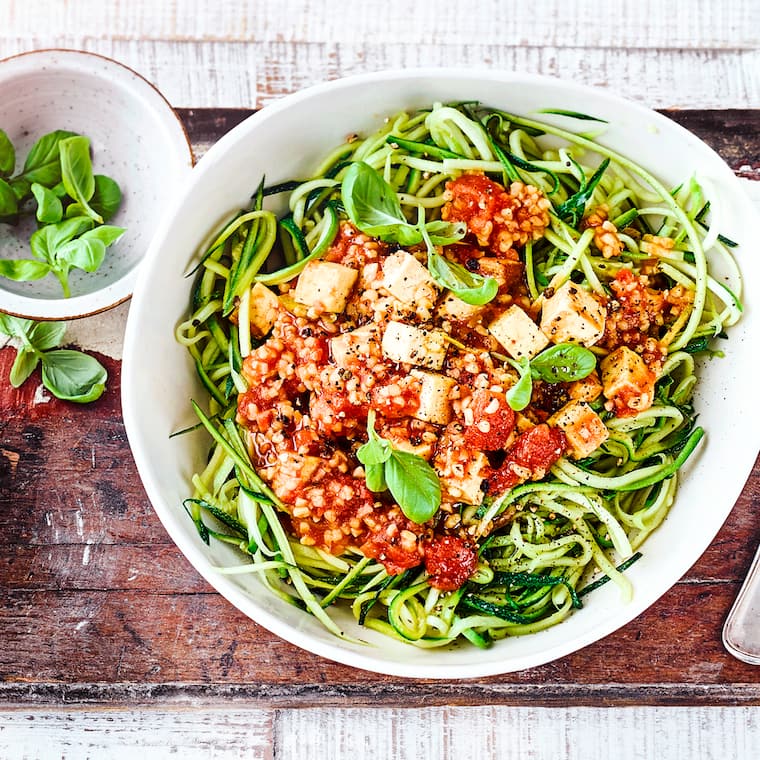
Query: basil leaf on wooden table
[(7, 155), (24, 364), (73, 376), (76, 173), (49, 206)]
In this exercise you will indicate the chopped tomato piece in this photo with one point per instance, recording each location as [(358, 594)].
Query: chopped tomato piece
[(530, 458), (493, 421), (450, 561)]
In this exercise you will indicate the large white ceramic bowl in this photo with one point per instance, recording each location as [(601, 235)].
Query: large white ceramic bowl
[(135, 137), (284, 141)]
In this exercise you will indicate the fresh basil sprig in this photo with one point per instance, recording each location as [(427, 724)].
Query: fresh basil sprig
[(70, 202), (572, 210), (413, 483), (562, 363), (373, 206), (67, 374)]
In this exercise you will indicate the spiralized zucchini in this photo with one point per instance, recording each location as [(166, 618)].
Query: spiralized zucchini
[(542, 545)]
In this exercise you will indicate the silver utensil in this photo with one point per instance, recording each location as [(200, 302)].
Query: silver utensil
[(741, 632)]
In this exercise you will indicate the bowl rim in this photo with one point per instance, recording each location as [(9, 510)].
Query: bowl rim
[(333, 649), (55, 309)]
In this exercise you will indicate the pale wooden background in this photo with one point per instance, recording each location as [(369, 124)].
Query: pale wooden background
[(234, 53)]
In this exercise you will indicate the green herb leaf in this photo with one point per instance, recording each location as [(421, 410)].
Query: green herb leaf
[(7, 155), (470, 287), (76, 173), (48, 239), (46, 335), (375, 476), (376, 450), (73, 376), (518, 396), (43, 163), (15, 327), (49, 206), (562, 363), (414, 485), (107, 196), (574, 207), (23, 366), (87, 251), (23, 270), (445, 233), (8, 200), (371, 203)]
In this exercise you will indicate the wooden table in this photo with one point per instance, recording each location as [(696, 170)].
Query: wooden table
[(102, 612)]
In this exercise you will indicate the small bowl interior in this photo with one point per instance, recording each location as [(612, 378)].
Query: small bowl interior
[(135, 138)]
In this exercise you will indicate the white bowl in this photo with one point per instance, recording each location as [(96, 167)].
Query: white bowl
[(136, 139), (286, 140)]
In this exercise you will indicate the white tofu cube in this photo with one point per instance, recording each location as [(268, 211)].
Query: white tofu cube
[(325, 286), (518, 333), (407, 344), (627, 381), (410, 282), (583, 427), (350, 348), (588, 389), (466, 486), (435, 405), (573, 315), (454, 308), (262, 310)]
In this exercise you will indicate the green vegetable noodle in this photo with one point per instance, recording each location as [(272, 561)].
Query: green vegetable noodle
[(448, 377)]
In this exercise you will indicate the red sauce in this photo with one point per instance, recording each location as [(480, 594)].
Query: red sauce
[(529, 458), (493, 421), (450, 561), (394, 543)]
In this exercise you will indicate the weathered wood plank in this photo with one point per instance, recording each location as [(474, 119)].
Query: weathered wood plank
[(252, 74), (214, 734)]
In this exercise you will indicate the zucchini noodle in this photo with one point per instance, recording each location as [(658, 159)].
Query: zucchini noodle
[(541, 544)]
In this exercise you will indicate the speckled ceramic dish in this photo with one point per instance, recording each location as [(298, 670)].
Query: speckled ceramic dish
[(136, 138)]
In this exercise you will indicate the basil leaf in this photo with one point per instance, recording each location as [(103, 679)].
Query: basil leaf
[(518, 396), (373, 206), (15, 327), (46, 335), (23, 366), (375, 477), (49, 206), (20, 187), (73, 376), (573, 208), (43, 163), (470, 287), (7, 155), (445, 233), (81, 253), (376, 450), (414, 485), (8, 200), (105, 233), (76, 173), (23, 270), (107, 197), (563, 363)]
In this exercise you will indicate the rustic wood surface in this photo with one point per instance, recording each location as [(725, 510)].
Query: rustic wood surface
[(89, 570)]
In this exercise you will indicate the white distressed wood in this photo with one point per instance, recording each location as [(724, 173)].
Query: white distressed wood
[(650, 24), (246, 75), (71, 734), (506, 733)]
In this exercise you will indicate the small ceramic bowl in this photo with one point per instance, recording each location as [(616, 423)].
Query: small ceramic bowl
[(136, 138)]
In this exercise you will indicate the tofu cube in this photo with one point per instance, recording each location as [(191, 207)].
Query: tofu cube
[(325, 286), (573, 315), (583, 427), (454, 308), (410, 282), (435, 405), (588, 389), (350, 348), (402, 442), (466, 487), (518, 333), (262, 310), (627, 381), (407, 344)]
